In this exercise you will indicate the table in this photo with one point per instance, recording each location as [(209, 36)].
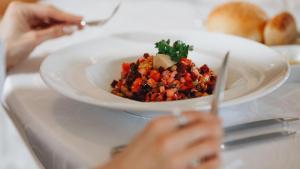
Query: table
[(65, 133)]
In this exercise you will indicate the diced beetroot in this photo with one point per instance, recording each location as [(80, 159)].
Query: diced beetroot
[(146, 55), (114, 83), (159, 98), (204, 69)]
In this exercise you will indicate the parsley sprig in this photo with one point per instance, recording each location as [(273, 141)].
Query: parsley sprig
[(177, 51)]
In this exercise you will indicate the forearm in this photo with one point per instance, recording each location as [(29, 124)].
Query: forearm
[(2, 64), (3, 49)]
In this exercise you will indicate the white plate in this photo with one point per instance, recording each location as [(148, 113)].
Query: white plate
[(84, 72), (292, 52)]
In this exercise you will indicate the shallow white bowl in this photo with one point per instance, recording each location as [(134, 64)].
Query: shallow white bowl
[(292, 52), (84, 72)]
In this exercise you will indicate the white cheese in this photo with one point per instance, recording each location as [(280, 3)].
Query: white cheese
[(161, 60)]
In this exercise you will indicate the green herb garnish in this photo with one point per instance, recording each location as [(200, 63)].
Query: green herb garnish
[(176, 52)]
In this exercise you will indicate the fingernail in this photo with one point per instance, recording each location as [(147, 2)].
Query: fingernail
[(70, 29), (83, 23)]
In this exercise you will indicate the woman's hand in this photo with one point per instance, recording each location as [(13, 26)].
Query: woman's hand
[(165, 145), (24, 26)]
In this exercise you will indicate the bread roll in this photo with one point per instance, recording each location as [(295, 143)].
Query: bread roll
[(238, 18), (280, 30)]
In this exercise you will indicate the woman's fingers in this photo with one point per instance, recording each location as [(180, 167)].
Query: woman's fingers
[(200, 117), (197, 132), (53, 32), (198, 152), (45, 11), (169, 145), (169, 123), (167, 128), (59, 15), (65, 23)]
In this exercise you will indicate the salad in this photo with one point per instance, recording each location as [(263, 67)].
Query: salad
[(169, 75)]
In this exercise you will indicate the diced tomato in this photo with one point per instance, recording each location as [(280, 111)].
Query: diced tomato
[(183, 87), (188, 77), (136, 86), (189, 85), (125, 69), (154, 74), (185, 61)]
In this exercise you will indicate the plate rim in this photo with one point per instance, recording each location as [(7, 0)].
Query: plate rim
[(243, 99)]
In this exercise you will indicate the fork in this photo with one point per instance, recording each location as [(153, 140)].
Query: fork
[(102, 22)]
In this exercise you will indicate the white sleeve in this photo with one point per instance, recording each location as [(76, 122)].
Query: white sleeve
[(2, 66)]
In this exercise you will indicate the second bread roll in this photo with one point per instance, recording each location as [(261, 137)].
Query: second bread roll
[(280, 30), (238, 18)]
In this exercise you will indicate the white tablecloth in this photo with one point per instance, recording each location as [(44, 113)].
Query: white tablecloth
[(67, 134)]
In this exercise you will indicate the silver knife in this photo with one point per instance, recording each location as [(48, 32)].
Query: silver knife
[(234, 144), (230, 145), (259, 124), (220, 86)]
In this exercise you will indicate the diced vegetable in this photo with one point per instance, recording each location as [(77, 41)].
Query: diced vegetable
[(136, 86), (154, 74), (144, 82)]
